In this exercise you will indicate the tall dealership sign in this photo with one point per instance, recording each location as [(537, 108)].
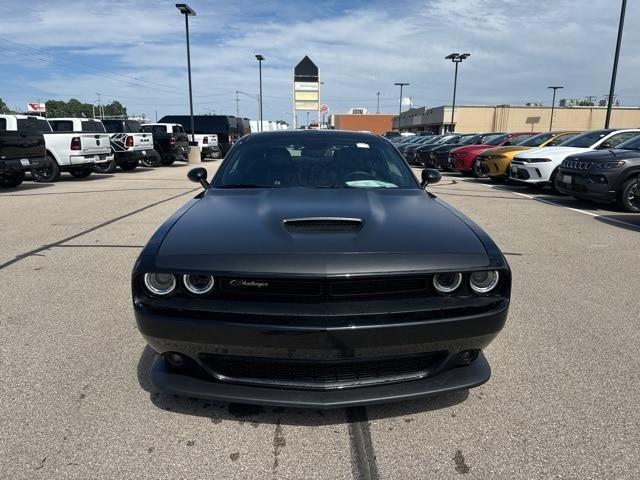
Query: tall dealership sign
[(306, 88)]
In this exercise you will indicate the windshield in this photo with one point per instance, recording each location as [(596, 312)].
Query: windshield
[(537, 140), (633, 144), (586, 139), (496, 139), (318, 161), (470, 139)]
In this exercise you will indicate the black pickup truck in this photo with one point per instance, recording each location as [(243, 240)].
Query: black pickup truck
[(169, 140), (20, 151)]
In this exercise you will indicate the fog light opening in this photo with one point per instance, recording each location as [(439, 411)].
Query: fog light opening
[(466, 357), (174, 359)]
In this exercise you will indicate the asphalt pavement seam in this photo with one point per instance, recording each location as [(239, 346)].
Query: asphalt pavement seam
[(363, 457), (43, 248)]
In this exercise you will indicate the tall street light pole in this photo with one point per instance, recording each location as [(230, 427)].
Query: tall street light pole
[(456, 58), (378, 106), (615, 64), (260, 59), (401, 85), (188, 12), (553, 105)]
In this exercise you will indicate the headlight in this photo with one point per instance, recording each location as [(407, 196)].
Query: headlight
[(160, 283), (538, 160), (447, 282), (484, 282), (198, 284), (608, 165)]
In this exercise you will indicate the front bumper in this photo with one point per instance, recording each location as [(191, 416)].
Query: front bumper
[(300, 339), (497, 168), (599, 186), (531, 172), (459, 378)]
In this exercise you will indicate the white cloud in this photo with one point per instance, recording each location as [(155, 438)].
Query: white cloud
[(517, 48)]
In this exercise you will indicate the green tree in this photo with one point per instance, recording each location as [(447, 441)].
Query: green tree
[(3, 107)]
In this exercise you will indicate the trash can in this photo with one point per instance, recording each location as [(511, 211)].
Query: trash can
[(194, 153)]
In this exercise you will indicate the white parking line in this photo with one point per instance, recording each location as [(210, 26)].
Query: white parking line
[(549, 202)]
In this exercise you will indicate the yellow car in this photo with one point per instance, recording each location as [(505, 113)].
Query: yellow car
[(495, 161)]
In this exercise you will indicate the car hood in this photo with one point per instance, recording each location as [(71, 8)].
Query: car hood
[(472, 148), (607, 155), (551, 152), (510, 150), (243, 231)]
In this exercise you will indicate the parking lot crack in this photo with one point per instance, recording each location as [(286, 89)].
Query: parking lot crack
[(363, 458), (37, 251)]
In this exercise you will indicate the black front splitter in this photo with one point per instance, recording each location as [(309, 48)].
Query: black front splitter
[(459, 378)]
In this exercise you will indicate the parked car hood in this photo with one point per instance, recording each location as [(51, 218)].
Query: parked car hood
[(551, 152), (511, 149), (608, 155), (243, 231), (472, 148)]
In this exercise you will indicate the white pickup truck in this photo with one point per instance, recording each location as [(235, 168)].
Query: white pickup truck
[(129, 143), (76, 153)]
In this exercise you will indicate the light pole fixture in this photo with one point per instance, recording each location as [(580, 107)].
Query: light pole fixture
[(455, 58), (401, 85), (260, 59), (553, 105), (615, 64), (187, 11)]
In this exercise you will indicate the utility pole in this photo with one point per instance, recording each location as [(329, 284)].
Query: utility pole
[(615, 64), (553, 105), (455, 58), (237, 105), (591, 99), (378, 107), (401, 85)]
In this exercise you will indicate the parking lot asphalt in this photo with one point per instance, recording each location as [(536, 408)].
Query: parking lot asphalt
[(76, 400)]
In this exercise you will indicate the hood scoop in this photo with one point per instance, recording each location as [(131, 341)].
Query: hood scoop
[(322, 224)]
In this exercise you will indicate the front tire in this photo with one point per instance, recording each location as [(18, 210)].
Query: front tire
[(105, 167), (552, 180), (12, 180), (81, 172), (48, 173), (477, 170), (629, 197)]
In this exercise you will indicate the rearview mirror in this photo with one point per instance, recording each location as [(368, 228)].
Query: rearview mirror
[(430, 175), (198, 175)]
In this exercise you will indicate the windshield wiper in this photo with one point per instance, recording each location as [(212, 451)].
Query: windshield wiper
[(242, 185)]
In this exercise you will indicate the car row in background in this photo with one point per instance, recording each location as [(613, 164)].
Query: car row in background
[(598, 165), (80, 146)]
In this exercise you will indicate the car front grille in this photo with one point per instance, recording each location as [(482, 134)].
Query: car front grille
[(577, 164), (319, 374), (276, 289)]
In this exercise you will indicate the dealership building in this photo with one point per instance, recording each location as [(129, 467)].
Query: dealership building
[(509, 118)]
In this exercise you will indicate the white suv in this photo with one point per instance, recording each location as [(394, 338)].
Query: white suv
[(539, 166)]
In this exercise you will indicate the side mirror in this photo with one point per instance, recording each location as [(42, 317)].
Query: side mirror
[(199, 175), (430, 175)]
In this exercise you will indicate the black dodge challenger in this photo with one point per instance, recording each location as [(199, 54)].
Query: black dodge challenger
[(315, 271)]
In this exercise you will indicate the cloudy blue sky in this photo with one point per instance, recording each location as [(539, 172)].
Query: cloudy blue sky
[(134, 51)]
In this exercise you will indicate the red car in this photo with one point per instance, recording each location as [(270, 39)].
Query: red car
[(464, 158)]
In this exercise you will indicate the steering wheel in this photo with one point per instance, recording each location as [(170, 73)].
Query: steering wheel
[(357, 175)]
